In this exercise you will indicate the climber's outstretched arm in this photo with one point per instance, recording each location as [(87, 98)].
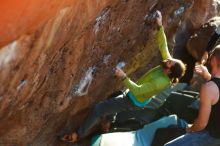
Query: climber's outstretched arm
[(161, 37)]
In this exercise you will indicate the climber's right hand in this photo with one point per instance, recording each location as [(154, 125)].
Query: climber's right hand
[(120, 73), (158, 17)]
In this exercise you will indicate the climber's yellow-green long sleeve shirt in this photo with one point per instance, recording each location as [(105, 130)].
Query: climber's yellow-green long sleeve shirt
[(152, 82)]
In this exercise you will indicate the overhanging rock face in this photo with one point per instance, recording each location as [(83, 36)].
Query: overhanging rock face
[(59, 67)]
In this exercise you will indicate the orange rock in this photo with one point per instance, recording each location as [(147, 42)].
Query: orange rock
[(20, 17)]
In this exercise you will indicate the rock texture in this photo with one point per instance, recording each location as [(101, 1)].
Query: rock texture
[(59, 65), (19, 17)]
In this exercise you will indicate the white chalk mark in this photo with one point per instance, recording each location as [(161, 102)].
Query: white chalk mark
[(100, 20), (179, 11), (106, 59), (215, 5), (8, 53), (120, 65), (85, 82), (22, 83)]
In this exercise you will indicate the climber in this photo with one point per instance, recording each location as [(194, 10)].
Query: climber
[(138, 94)]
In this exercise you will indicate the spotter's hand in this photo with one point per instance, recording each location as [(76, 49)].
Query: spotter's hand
[(202, 71)]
